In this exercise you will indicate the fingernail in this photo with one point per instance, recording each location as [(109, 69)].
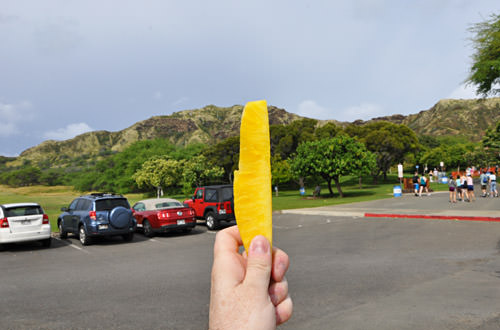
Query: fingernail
[(259, 245)]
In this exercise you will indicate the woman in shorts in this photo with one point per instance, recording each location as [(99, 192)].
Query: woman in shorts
[(470, 188), (459, 188), (452, 184), (463, 184)]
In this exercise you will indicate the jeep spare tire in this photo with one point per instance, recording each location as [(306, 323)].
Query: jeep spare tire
[(119, 217)]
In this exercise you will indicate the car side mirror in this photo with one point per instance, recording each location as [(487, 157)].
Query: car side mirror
[(192, 198), (64, 209)]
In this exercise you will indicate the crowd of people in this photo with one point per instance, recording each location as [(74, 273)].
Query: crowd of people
[(461, 184)]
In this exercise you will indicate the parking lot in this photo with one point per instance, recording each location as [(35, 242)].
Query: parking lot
[(347, 272)]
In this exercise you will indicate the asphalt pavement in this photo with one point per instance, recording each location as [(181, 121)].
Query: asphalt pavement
[(436, 205), (348, 271)]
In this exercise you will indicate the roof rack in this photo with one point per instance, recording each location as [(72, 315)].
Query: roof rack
[(104, 194)]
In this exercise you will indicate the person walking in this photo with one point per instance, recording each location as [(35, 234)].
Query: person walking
[(423, 185), (415, 183), (470, 188), (493, 184), (452, 185), (459, 188), (463, 184), (483, 178)]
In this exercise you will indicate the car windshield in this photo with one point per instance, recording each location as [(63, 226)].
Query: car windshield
[(109, 204), (23, 210), (168, 204)]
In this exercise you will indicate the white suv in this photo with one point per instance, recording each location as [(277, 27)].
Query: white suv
[(22, 222)]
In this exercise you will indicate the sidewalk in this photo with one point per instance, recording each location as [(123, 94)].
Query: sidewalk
[(436, 206)]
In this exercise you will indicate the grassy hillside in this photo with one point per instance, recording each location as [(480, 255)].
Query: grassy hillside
[(211, 124), (208, 125), (469, 118)]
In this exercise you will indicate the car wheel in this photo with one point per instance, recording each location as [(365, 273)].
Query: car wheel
[(147, 229), (128, 237), (46, 242), (212, 223), (62, 234), (84, 238)]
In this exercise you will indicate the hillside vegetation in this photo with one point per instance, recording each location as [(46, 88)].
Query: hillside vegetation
[(208, 125), (212, 124), (469, 118)]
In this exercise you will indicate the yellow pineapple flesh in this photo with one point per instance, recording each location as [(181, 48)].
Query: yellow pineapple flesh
[(252, 181)]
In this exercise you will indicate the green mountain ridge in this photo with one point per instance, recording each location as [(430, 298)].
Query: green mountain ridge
[(208, 125), (469, 118), (212, 124)]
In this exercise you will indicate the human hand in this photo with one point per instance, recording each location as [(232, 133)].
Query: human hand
[(249, 290)]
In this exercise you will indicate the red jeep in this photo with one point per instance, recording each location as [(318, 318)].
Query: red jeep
[(214, 204)]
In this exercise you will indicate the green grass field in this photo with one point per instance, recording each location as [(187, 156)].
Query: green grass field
[(53, 198)]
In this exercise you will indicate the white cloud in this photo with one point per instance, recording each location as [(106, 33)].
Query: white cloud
[(68, 132), (463, 92), (12, 116), (180, 101), (311, 109), (364, 111), (158, 95), (468, 92)]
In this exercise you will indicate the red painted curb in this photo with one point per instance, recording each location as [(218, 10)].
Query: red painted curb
[(435, 217)]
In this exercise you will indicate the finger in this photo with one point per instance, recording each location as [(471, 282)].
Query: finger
[(227, 258), (284, 311), (278, 291), (281, 262), (227, 240), (259, 259)]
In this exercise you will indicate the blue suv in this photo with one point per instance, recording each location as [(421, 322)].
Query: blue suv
[(98, 214)]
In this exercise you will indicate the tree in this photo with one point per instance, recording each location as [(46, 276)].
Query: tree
[(158, 173), (327, 131), (286, 138), (198, 171), (390, 142), (485, 70), (332, 158), (281, 171), (491, 142), (225, 154)]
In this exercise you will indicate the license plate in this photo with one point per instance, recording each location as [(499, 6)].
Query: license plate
[(103, 227), (25, 222), (181, 222)]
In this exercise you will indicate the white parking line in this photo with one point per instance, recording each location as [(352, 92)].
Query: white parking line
[(73, 246)]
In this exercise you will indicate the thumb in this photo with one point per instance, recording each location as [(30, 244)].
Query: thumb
[(259, 262)]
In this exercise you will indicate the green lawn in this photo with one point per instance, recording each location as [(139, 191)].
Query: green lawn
[(53, 198)]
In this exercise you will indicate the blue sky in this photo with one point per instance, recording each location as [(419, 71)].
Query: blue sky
[(68, 67)]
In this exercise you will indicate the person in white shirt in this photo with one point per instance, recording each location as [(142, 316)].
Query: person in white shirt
[(493, 185)]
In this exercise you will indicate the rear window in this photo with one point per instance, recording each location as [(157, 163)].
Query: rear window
[(168, 204), (109, 204), (227, 193), (23, 210)]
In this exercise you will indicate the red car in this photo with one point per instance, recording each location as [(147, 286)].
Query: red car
[(161, 215)]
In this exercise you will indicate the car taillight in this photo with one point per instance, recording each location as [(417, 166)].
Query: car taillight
[(4, 223), (92, 215), (163, 215), (45, 220)]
